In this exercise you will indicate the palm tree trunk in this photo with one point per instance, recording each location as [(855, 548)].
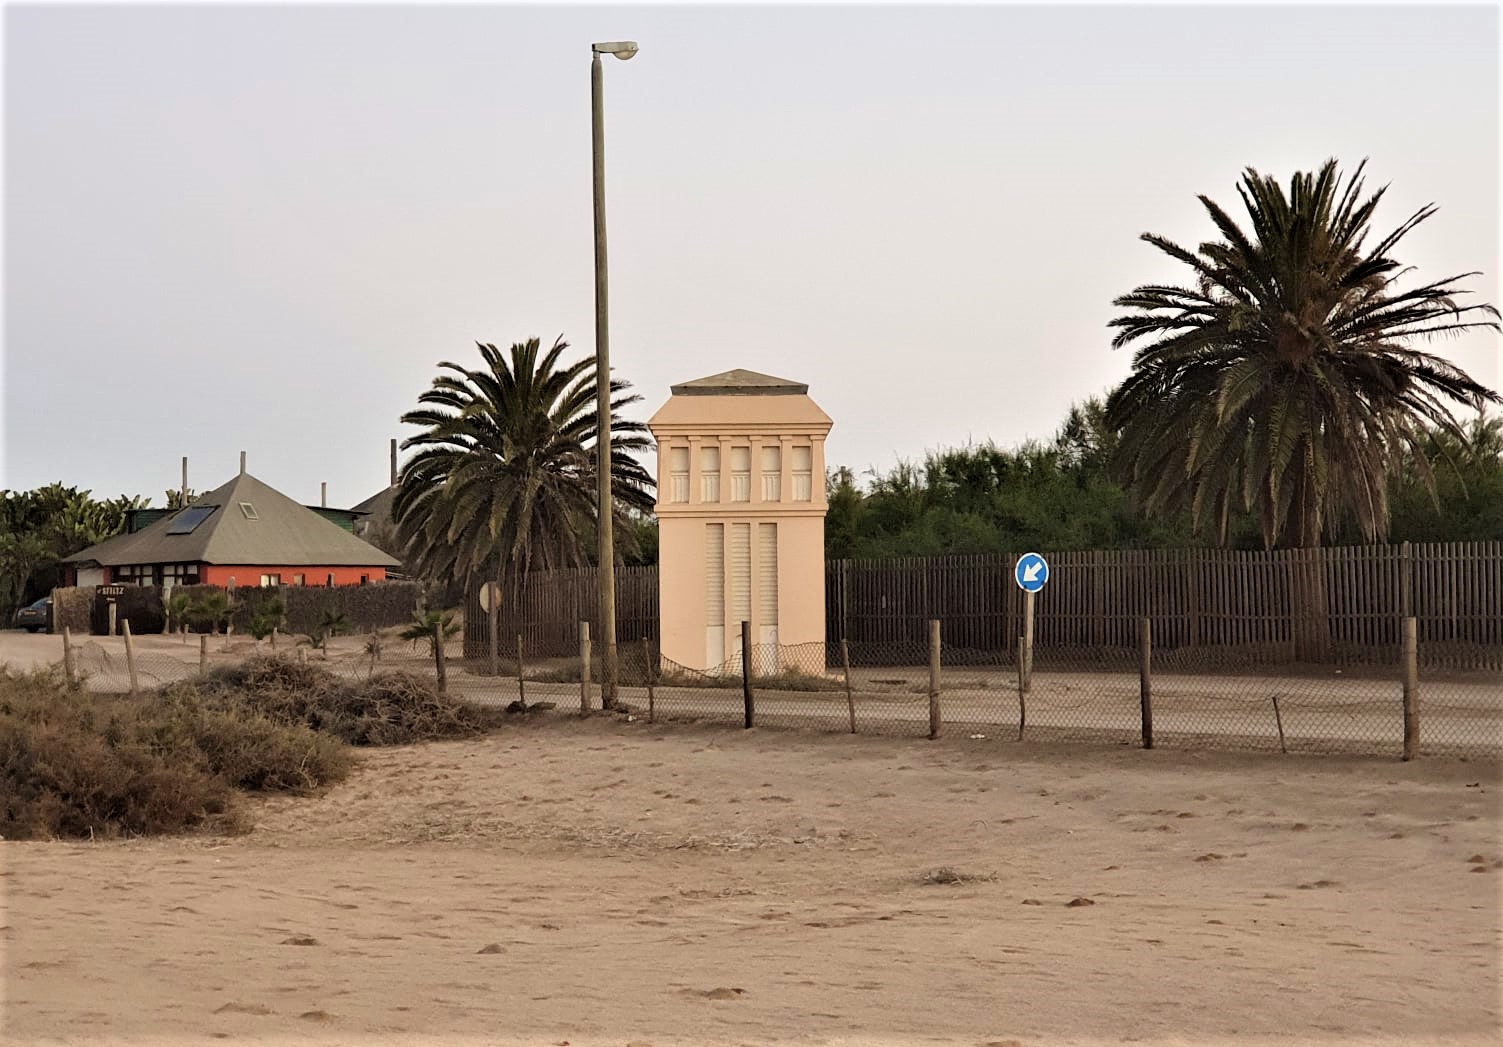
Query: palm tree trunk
[(1312, 606)]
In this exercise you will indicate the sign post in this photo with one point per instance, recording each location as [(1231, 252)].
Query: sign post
[(490, 603), (1031, 573)]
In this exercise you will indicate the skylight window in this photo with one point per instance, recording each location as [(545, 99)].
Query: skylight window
[(249, 511), (187, 521)]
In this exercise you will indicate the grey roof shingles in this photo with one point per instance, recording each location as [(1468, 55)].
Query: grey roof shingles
[(284, 534), (378, 505), (740, 382)]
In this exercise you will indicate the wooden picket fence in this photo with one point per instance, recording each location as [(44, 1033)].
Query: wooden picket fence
[(1197, 600)]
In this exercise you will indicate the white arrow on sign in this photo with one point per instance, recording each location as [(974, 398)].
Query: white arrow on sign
[(1031, 572)]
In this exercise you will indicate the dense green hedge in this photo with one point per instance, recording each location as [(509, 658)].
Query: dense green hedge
[(366, 607)]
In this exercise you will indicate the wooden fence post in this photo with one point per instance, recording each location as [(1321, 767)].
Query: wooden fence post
[(438, 657), (648, 671), (1022, 690), (845, 598), (584, 667), (934, 678), (130, 656), (114, 615), (850, 701), (1406, 581), (1145, 677), (70, 668), (203, 654), (521, 674), (746, 686), (1411, 688), (493, 621)]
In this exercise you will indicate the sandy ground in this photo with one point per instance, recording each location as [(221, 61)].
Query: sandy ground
[(602, 883)]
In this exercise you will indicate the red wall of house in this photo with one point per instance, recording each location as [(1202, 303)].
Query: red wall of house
[(214, 574)]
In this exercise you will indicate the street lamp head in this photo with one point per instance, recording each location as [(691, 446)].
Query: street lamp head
[(622, 49)]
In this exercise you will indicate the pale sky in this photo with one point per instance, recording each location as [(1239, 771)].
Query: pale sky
[(260, 228)]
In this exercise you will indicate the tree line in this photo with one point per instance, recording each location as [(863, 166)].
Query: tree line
[(41, 527), (1066, 494)]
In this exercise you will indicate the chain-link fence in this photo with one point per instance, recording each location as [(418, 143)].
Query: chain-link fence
[(1177, 699)]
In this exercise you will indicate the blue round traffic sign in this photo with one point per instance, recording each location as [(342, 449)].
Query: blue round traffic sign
[(1032, 572)]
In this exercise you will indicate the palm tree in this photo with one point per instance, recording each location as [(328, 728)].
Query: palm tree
[(504, 479), (1285, 380), (436, 627)]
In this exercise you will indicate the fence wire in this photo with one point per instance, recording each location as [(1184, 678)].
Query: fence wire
[(1090, 695)]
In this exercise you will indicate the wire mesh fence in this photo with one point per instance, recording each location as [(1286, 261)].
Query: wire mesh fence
[(1184, 700)]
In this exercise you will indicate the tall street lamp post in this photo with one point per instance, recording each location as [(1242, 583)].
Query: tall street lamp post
[(623, 50)]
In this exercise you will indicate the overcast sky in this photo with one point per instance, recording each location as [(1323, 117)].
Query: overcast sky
[(260, 228)]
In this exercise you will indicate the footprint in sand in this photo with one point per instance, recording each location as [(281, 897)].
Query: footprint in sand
[(316, 1016), (300, 939)]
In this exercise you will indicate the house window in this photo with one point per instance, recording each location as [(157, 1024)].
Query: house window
[(772, 474), (678, 474), (270, 580), (249, 511), (365, 579), (133, 574), (709, 474), (179, 574), (300, 579), (740, 474), (803, 474)]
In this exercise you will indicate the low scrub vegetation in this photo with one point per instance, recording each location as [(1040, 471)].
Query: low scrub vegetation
[(786, 679), (85, 765), (390, 708), (81, 765)]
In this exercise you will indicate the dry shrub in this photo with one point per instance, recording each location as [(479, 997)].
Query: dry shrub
[(946, 874), (84, 765), (390, 708)]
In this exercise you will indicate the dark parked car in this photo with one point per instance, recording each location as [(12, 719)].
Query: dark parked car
[(34, 618)]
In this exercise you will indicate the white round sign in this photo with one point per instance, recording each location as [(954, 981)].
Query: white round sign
[(490, 597)]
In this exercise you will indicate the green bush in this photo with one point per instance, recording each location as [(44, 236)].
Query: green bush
[(270, 616), (77, 765)]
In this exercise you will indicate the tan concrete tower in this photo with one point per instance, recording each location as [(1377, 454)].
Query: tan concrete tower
[(741, 518)]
